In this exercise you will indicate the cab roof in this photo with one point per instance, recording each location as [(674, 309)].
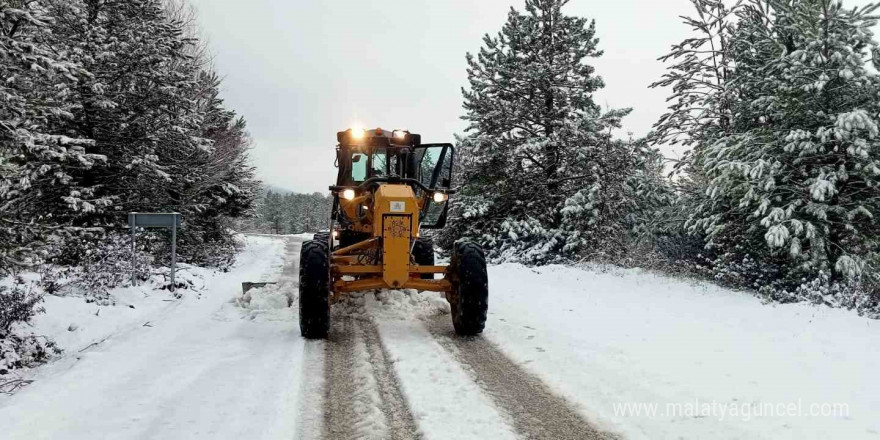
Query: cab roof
[(378, 138)]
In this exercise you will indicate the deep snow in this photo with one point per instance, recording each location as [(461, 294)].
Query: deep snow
[(201, 370), (603, 337), (216, 364)]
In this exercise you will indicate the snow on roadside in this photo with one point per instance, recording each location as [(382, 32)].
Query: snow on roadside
[(271, 302), (200, 371), (76, 325), (625, 337)]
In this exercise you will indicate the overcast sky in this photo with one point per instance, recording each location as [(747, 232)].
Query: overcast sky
[(301, 70)]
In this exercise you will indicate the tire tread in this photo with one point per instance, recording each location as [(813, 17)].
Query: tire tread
[(471, 284), (314, 290)]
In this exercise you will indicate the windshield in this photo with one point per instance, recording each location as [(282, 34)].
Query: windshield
[(366, 165)]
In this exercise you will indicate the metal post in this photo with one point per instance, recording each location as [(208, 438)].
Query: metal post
[(173, 249), (131, 221)]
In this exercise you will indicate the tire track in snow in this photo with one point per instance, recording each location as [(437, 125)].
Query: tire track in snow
[(533, 409), (362, 398), (291, 260), (309, 419), (397, 412)]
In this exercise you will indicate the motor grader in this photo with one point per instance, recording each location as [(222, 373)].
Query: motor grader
[(390, 188)]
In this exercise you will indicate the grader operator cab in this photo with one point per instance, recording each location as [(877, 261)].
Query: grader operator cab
[(390, 187)]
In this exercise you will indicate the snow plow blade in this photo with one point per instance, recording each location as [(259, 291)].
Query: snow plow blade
[(245, 286)]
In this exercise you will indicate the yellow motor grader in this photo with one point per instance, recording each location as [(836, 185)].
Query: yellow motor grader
[(390, 187)]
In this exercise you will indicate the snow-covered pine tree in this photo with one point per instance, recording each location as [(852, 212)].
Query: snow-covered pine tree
[(272, 212), (795, 178), (700, 109), (623, 191), (137, 104), (700, 112), (215, 183), (41, 167), (529, 89), (153, 112), (533, 152)]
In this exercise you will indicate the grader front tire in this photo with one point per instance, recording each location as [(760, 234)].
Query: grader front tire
[(322, 238), (470, 284), (314, 290)]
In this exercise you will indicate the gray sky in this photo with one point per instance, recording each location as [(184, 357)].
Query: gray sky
[(301, 70)]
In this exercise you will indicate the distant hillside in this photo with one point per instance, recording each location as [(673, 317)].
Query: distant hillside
[(278, 190)]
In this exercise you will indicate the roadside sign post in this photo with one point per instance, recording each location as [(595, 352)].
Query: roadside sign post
[(154, 220), (173, 252)]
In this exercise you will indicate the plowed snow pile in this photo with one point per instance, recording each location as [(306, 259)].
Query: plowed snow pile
[(272, 302)]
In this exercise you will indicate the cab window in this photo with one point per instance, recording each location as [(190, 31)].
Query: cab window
[(358, 167), (379, 164)]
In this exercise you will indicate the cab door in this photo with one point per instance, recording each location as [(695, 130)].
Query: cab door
[(432, 165)]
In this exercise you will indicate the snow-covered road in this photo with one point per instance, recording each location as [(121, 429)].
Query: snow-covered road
[(198, 371), (568, 353)]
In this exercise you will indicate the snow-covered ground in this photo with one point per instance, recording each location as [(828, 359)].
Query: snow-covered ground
[(608, 339), (576, 349), (192, 372)]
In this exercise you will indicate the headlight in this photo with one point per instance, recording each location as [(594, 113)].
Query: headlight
[(335, 233), (348, 194), (357, 133), (399, 134), (440, 197)]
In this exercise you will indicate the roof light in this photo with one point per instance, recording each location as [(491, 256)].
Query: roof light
[(357, 133), (399, 134)]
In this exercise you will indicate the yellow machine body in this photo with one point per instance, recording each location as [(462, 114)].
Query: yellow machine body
[(391, 215), (398, 221), (389, 187)]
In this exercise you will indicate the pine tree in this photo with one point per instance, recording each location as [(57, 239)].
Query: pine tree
[(272, 211), (700, 112), (537, 142), (616, 211), (786, 156), (800, 169), (152, 110), (40, 166)]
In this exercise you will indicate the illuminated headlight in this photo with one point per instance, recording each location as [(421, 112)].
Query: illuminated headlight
[(440, 197), (399, 134), (335, 234), (357, 133), (348, 194)]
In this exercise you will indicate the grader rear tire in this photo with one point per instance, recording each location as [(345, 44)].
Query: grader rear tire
[(470, 289), (423, 253), (314, 290)]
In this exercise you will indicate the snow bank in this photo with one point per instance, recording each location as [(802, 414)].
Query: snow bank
[(76, 325), (272, 302)]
